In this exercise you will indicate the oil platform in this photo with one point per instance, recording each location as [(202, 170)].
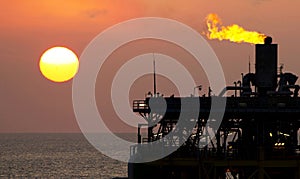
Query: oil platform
[(257, 137)]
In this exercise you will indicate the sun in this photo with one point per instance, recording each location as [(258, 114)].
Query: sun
[(59, 64)]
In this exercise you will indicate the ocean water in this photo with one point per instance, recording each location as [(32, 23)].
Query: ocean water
[(55, 156)]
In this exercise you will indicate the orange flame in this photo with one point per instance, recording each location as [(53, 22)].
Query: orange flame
[(233, 33)]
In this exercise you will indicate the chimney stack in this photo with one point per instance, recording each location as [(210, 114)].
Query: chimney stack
[(266, 66)]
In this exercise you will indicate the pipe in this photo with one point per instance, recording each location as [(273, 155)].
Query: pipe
[(227, 88)]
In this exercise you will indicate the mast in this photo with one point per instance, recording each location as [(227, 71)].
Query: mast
[(154, 76)]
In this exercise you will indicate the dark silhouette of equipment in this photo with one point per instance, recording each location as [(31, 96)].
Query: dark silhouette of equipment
[(257, 138)]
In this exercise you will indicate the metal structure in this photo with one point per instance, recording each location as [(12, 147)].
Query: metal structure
[(257, 138)]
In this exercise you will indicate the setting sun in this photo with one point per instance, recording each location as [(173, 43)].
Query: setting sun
[(59, 64)]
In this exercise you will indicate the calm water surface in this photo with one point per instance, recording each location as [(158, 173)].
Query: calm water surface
[(55, 156)]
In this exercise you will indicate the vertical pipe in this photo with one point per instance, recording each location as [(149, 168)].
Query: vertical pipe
[(235, 90), (139, 135)]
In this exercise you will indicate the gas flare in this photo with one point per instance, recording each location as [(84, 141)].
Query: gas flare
[(233, 33)]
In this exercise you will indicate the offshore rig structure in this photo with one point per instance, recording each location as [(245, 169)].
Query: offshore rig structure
[(257, 137)]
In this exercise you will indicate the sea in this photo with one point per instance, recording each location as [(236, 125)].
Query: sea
[(64, 156)]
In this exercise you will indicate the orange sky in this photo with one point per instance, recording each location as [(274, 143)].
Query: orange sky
[(29, 103)]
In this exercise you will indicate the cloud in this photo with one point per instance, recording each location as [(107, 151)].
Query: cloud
[(258, 2), (94, 13)]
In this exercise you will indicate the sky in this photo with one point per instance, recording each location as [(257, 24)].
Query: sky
[(31, 103)]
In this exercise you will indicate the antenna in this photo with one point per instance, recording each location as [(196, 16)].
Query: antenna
[(249, 65), (154, 76)]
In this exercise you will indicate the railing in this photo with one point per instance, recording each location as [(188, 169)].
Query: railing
[(213, 153), (139, 105)]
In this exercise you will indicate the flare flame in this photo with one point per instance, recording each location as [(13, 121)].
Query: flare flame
[(233, 33)]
